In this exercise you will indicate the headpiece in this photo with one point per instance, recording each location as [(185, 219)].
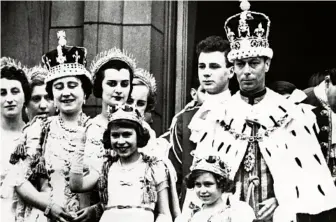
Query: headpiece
[(65, 60), (124, 112), (109, 55), (248, 33), (37, 72), (146, 78), (10, 62), (211, 163)]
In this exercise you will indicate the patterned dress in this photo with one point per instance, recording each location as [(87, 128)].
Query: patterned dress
[(133, 190)]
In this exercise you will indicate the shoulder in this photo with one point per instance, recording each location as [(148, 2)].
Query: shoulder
[(241, 211)]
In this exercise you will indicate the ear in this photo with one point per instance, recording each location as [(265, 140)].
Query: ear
[(267, 64), (193, 93), (231, 72)]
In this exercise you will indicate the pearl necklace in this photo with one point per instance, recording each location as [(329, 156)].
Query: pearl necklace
[(71, 130)]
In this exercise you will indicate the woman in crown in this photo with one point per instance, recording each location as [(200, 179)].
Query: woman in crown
[(15, 93), (209, 177), (131, 184), (50, 143)]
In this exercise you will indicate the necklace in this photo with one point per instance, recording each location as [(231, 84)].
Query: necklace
[(68, 129)]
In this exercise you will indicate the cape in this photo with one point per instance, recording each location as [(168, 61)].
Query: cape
[(287, 141)]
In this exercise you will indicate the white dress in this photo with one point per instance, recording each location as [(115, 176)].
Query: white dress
[(126, 191)]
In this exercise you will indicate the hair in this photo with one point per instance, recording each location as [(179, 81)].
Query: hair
[(213, 44), (142, 133), (13, 73), (319, 77), (113, 64), (86, 86), (225, 184), (282, 87), (332, 74), (151, 98)]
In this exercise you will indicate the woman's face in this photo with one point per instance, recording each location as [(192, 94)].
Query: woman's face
[(116, 86), (207, 189), (68, 94), (12, 98), (124, 141), (139, 98)]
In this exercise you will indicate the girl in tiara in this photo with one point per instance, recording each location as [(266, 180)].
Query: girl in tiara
[(209, 177), (131, 184)]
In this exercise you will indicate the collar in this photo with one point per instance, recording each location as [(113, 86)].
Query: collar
[(254, 98), (222, 96)]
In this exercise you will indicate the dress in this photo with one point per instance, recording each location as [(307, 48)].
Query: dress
[(11, 176), (285, 140), (232, 210), (51, 148), (132, 191)]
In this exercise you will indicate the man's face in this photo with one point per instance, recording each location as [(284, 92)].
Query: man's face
[(40, 103), (251, 73), (331, 96), (212, 72)]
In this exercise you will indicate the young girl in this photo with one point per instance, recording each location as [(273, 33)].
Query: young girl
[(131, 184), (209, 178)]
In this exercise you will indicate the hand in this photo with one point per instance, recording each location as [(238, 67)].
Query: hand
[(269, 206), (85, 215), (58, 213), (80, 136)]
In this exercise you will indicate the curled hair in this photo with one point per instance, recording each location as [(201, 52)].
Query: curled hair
[(151, 98), (214, 44), (98, 80), (13, 73), (142, 133), (86, 86), (225, 184)]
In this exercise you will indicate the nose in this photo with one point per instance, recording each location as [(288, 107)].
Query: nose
[(202, 190), (247, 70), (66, 92), (121, 140), (9, 98), (43, 104), (117, 89)]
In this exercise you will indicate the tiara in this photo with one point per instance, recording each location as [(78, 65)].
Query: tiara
[(10, 62), (124, 112), (37, 71), (211, 163), (109, 55), (146, 78)]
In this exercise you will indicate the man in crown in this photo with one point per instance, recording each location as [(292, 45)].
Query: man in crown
[(269, 142)]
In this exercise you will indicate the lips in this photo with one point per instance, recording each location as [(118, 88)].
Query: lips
[(118, 98), (67, 100)]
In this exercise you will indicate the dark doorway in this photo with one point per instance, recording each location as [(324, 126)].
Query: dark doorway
[(302, 35)]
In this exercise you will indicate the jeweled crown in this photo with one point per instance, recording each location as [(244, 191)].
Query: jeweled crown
[(146, 78), (124, 112), (109, 55), (248, 33), (65, 60), (211, 163), (37, 72)]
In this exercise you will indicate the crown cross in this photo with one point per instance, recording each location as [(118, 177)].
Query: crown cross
[(76, 56)]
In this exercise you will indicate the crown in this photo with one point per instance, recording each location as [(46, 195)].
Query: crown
[(65, 60), (211, 163), (146, 78), (109, 55), (10, 62), (37, 72), (124, 112), (248, 33)]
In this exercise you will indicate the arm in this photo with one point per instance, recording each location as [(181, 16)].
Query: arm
[(176, 152), (163, 207), (41, 200), (81, 184)]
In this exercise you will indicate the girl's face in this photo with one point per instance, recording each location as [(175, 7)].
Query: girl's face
[(207, 189), (139, 98), (116, 86), (12, 98), (68, 94), (124, 141)]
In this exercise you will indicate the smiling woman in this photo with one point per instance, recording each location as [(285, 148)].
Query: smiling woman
[(14, 93)]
